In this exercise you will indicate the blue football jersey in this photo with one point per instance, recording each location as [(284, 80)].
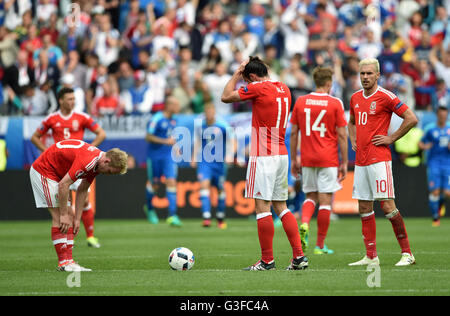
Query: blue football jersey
[(214, 141), (162, 127), (439, 154)]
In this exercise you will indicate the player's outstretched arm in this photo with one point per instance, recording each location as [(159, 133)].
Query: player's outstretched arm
[(81, 196), (36, 140), (409, 121), (63, 194)]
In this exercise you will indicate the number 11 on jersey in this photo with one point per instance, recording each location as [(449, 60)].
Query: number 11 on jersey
[(286, 101)]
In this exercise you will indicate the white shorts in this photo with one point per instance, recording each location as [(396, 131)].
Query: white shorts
[(322, 180), (267, 178), (45, 190), (374, 182)]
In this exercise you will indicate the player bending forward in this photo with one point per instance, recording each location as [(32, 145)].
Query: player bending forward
[(267, 171), (370, 115), (320, 118), (69, 124), (51, 176)]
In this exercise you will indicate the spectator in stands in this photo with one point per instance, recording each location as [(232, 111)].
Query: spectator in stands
[(54, 53), (19, 75), (8, 47), (201, 94), (51, 28), (272, 36), (247, 44), (424, 80), (370, 48), (414, 29), (31, 43), (138, 99), (442, 68), (209, 61), (77, 69), (104, 40), (442, 96), (45, 8), (294, 77), (156, 79), (184, 92), (391, 53), (271, 60), (107, 104), (220, 39), (216, 82), (125, 76), (44, 71), (34, 101), (424, 48), (295, 35), (254, 21)]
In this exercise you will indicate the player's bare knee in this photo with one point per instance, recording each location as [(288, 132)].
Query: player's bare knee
[(387, 206), (437, 193), (447, 194)]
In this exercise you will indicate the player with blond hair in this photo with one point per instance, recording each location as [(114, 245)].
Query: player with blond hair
[(371, 110), (51, 176), (66, 123)]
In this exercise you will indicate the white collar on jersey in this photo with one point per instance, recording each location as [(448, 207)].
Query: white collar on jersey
[(378, 87), (65, 117)]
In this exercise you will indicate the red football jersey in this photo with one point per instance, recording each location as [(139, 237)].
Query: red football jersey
[(271, 105), (67, 127), (75, 157), (372, 117), (317, 115)]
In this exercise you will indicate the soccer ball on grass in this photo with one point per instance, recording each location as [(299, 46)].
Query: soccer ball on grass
[(181, 259)]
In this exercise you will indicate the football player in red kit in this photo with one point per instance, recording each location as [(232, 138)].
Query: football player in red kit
[(267, 172), (371, 110), (51, 176), (69, 124)]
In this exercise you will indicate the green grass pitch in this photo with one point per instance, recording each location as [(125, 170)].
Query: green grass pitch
[(133, 260)]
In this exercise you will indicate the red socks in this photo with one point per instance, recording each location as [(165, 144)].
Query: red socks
[(59, 242), (369, 231), (323, 222), (88, 220), (308, 209), (291, 229), (266, 232), (69, 244), (398, 225)]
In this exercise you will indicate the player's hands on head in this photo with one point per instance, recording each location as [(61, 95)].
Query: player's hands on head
[(241, 68), (382, 140)]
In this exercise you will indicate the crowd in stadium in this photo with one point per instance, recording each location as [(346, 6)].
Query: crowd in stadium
[(126, 57)]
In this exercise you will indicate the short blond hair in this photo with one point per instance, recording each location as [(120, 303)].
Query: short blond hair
[(370, 61), (118, 159)]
